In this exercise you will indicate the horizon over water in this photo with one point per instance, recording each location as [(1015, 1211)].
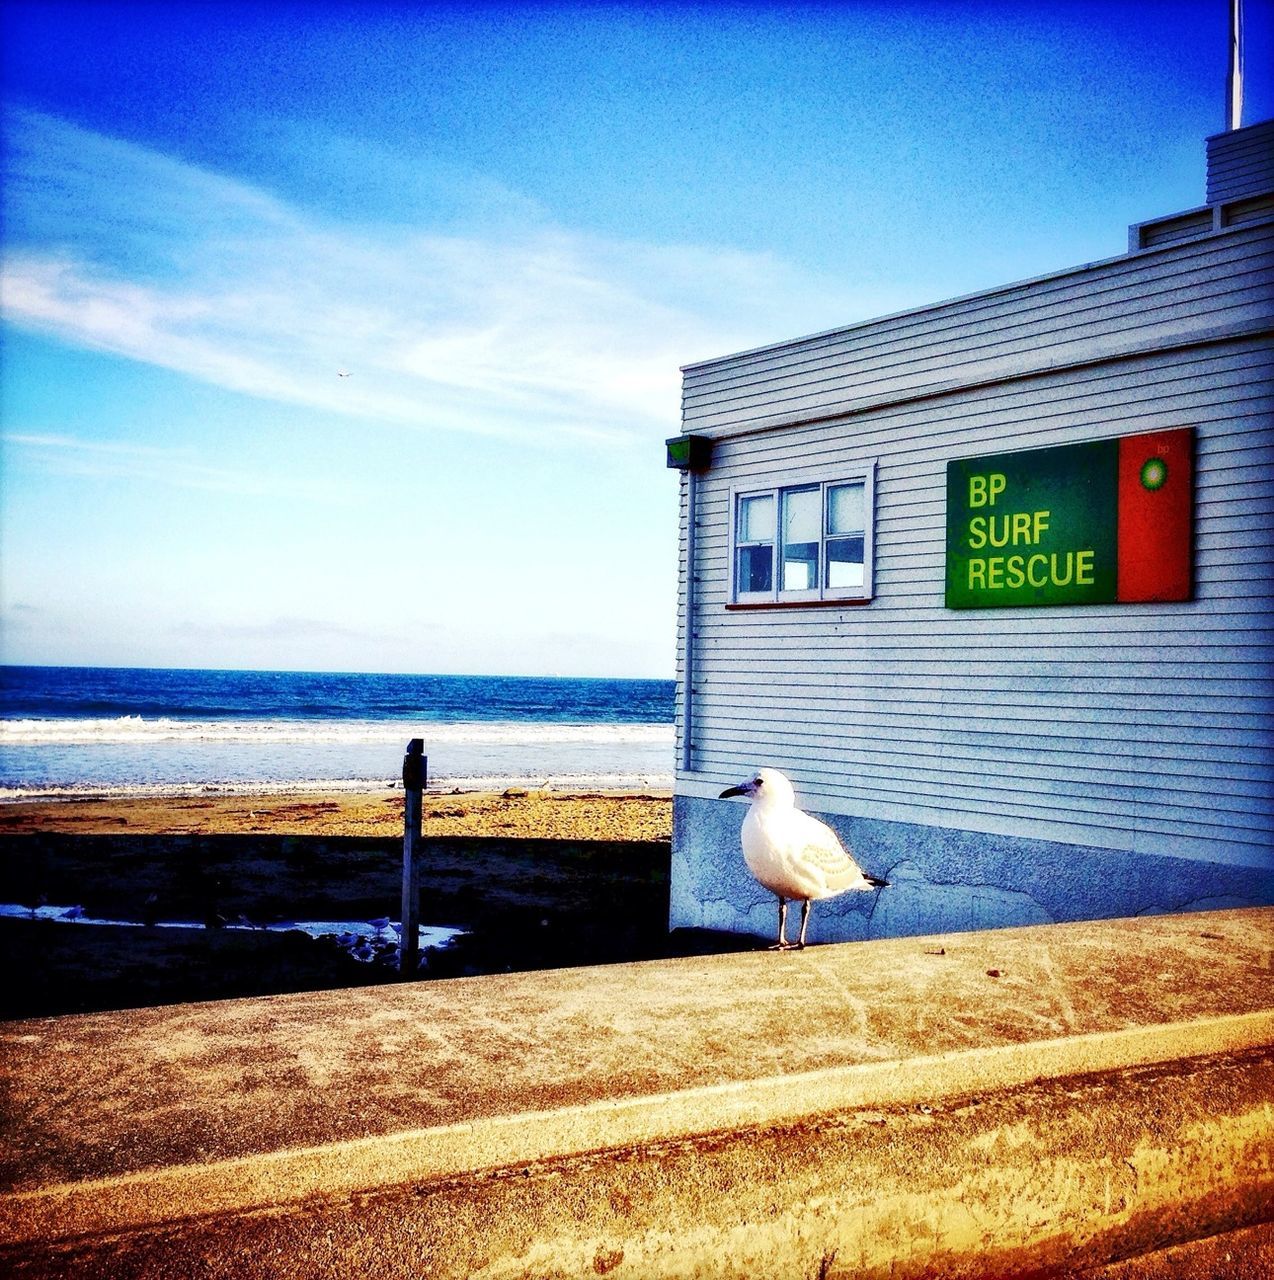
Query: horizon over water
[(93, 730)]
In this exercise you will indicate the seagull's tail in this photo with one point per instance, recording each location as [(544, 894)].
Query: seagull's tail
[(875, 882)]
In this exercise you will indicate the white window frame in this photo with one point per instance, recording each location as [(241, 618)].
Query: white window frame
[(862, 473)]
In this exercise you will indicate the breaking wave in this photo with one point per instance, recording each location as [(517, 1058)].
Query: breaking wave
[(136, 730)]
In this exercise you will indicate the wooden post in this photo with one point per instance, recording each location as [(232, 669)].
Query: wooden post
[(415, 772)]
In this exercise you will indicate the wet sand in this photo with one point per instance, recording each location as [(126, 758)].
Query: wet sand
[(539, 879)]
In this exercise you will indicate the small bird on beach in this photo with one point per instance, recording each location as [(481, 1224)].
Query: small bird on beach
[(796, 857)]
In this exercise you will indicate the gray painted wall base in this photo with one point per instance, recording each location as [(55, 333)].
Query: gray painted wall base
[(941, 880)]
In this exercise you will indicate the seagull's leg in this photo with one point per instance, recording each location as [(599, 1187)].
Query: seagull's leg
[(783, 944), (805, 919)]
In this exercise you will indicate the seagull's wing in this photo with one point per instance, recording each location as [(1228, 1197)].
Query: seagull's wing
[(819, 855)]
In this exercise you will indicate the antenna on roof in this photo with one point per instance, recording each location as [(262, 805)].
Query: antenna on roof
[(1234, 81)]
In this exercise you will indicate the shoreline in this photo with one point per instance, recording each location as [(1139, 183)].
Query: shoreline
[(564, 784)]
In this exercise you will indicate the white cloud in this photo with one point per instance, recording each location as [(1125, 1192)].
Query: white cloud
[(169, 467), (529, 330)]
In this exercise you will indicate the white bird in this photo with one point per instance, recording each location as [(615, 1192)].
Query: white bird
[(793, 855)]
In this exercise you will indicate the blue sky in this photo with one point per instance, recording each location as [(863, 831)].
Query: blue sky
[(510, 225)]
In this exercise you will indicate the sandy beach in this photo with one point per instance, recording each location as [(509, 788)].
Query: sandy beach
[(517, 813), (534, 879)]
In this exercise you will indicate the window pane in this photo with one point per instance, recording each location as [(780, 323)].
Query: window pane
[(755, 569), (756, 519), (845, 562), (800, 567), (845, 509), (800, 515), (801, 519)]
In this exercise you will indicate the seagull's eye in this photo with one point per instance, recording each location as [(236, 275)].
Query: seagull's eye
[(758, 782)]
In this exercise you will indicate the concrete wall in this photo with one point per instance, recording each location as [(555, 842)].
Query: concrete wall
[(941, 879), (1013, 1103)]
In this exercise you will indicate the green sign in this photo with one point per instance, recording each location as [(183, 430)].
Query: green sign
[(1092, 523)]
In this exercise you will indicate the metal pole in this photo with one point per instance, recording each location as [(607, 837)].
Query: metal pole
[(415, 771), (1234, 81), (690, 454), (687, 697)]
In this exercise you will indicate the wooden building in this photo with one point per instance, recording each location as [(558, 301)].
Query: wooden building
[(1008, 735)]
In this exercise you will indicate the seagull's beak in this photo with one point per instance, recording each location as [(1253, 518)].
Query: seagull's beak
[(733, 791)]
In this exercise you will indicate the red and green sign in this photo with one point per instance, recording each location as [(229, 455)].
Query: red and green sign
[(1098, 523)]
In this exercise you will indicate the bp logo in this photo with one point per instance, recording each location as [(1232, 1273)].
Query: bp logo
[(1154, 474)]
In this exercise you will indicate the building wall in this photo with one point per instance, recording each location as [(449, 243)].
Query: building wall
[(1241, 162), (968, 753)]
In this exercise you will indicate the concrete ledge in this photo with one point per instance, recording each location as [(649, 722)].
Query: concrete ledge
[(131, 1134)]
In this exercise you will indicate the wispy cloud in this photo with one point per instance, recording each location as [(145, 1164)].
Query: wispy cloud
[(288, 629), (168, 467), (524, 329)]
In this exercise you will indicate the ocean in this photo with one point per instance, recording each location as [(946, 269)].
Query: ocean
[(109, 730)]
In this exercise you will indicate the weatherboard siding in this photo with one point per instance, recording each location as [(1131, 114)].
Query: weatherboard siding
[(1241, 163), (1141, 728), (1159, 298)]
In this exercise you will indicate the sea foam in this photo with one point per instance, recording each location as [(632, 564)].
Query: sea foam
[(136, 729)]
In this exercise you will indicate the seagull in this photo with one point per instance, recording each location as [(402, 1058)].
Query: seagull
[(790, 853)]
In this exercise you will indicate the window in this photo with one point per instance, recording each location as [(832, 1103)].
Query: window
[(804, 542)]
